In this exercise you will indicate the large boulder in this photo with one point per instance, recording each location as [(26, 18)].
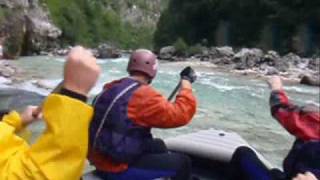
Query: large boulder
[(268, 70), (14, 3), (225, 51), (220, 55), (247, 58), (27, 28), (6, 70), (221, 52), (106, 51), (271, 57), (167, 53), (292, 59), (311, 80)]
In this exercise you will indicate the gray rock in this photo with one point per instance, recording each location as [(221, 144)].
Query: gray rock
[(218, 52), (61, 52), (282, 65), (248, 58), (271, 58), (6, 70), (225, 51), (14, 3), (311, 80), (106, 51), (292, 59), (271, 71), (167, 53), (41, 33), (28, 28), (314, 64)]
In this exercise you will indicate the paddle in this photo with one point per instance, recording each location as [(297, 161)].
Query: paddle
[(27, 134), (188, 74), (173, 93), (55, 90)]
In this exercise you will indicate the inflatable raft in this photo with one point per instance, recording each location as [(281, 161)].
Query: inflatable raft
[(210, 151)]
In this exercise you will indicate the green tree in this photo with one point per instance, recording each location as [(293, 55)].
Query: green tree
[(197, 20)]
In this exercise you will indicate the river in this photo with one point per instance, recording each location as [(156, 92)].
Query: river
[(225, 100)]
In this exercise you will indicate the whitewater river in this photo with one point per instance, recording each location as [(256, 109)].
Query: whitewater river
[(226, 101)]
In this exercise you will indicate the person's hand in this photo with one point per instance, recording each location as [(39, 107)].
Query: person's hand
[(305, 176), (275, 83), (29, 115), (81, 71), (188, 74)]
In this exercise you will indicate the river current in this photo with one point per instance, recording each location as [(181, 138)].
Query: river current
[(225, 101)]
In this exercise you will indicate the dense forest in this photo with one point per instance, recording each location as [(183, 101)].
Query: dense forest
[(91, 22), (250, 23), (282, 25)]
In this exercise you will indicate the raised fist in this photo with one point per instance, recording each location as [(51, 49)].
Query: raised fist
[(305, 176), (81, 71), (275, 83)]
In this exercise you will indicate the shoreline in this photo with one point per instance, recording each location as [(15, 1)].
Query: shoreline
[(11, 75), (249, 73)]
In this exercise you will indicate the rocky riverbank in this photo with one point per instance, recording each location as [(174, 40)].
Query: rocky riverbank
[(103, 51), (249, 62), (253, 61)]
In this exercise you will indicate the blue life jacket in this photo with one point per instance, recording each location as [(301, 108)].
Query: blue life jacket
[(111, 131), (303, 157)]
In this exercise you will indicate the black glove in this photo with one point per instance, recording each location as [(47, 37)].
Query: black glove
[(188, 74)]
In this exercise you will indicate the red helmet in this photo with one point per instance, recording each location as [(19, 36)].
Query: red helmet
[(143, 60)]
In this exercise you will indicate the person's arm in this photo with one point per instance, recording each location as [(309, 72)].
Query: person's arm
[(10, 143), (13, 148), (149, 108), (61, 151), (303, 125)]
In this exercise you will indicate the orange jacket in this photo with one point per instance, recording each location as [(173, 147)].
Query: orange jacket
[(148, 108)]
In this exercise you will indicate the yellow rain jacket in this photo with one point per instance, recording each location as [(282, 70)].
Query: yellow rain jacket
[(58, 154)]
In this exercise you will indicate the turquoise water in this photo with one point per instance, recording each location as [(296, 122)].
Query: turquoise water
[(226, 101)]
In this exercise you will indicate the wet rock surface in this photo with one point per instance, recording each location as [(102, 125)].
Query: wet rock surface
[(27, 28)]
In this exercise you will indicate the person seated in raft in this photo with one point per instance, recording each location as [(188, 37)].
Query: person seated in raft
[(121, 143), (60, 152), (303, 122)]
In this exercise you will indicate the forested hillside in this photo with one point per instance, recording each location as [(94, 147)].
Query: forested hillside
[(125, 23), (284, 25)]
